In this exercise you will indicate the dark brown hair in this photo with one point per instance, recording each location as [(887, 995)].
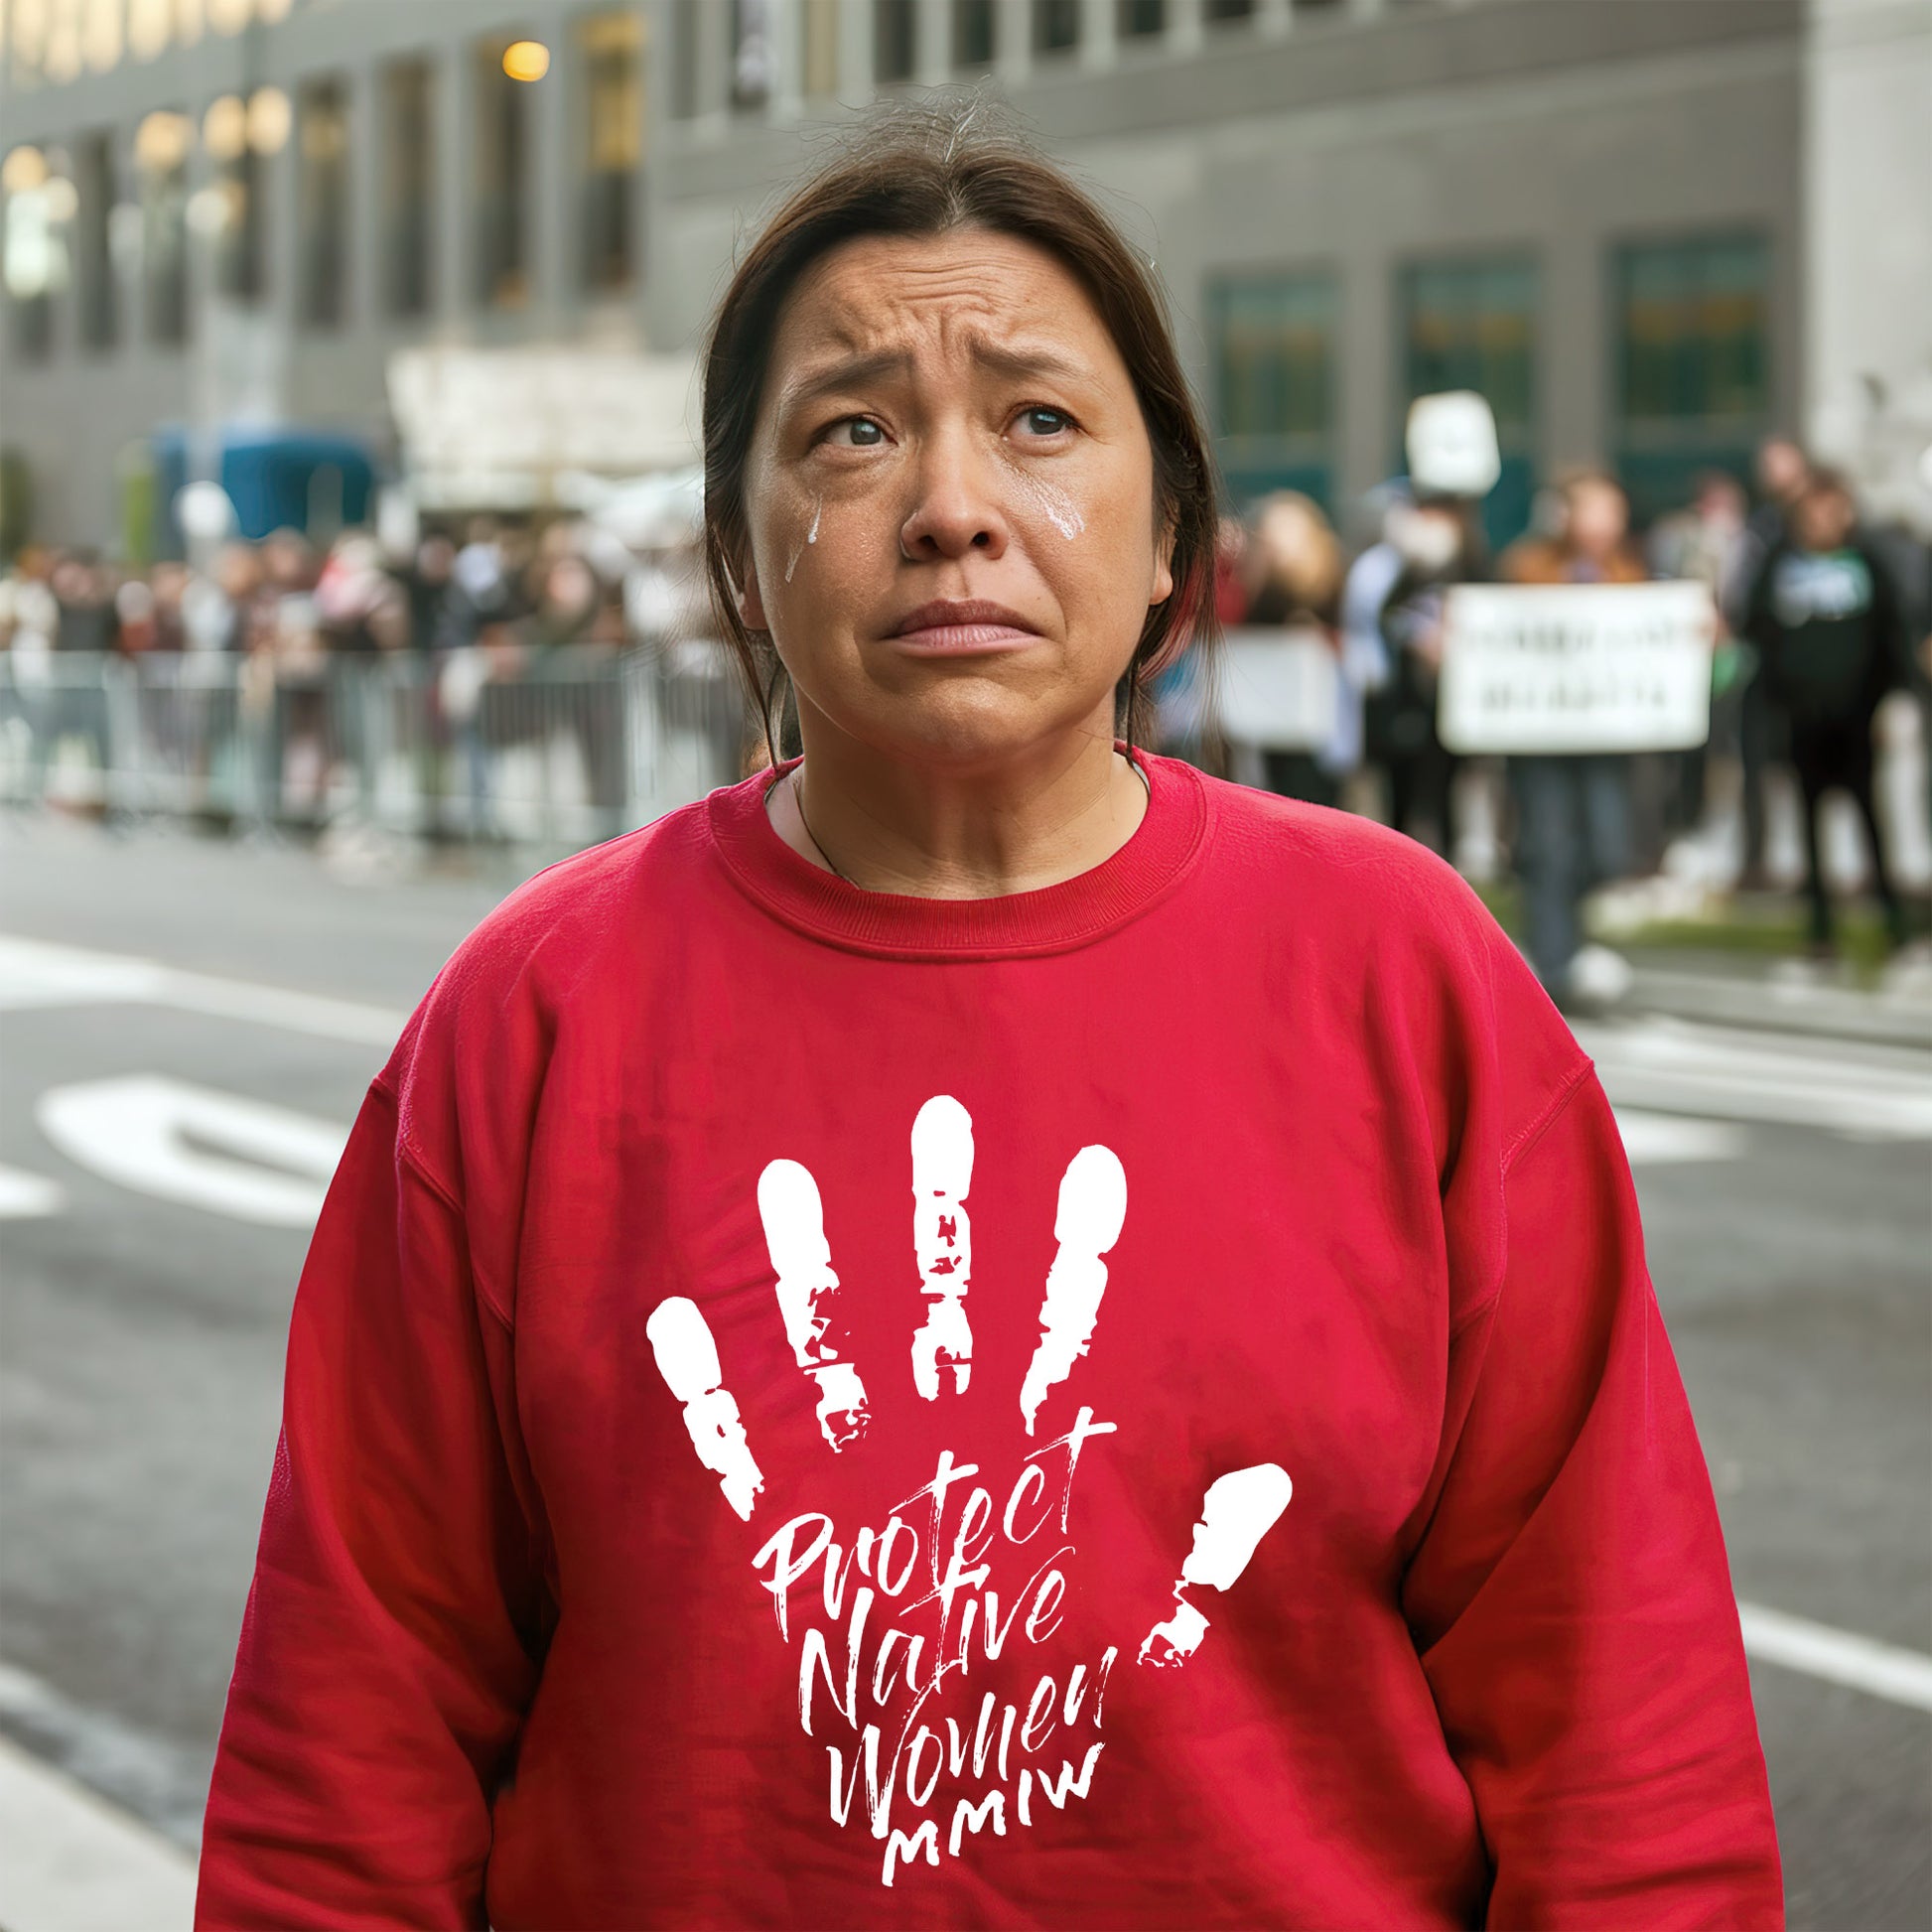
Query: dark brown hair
[(923, 171)]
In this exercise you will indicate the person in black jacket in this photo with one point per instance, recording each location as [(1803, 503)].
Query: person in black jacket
[(1827, 618)]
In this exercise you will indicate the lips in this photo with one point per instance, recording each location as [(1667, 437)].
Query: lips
[(951, 626)]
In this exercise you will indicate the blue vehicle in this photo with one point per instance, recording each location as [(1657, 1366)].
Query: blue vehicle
[(281, 478)]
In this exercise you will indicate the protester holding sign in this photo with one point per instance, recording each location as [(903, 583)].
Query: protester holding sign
[(1572, 811), (1827, 617), (1296, 573), (1439, 545)]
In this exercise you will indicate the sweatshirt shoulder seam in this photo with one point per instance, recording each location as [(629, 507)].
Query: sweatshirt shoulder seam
[(1538, 1125), (1545, 1116), (418, 1163)]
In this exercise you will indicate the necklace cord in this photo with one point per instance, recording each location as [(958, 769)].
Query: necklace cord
[(798, 799)]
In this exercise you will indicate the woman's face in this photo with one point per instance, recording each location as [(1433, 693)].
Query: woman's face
[(943, 421)]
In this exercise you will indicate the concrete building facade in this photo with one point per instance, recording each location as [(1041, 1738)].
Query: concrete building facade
[(1650, 232)]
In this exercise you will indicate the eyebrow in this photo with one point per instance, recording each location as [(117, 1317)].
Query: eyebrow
[(854, 371)]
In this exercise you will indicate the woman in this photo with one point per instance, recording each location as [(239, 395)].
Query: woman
[(1250, 1488), (1297, 573), (1574, 811)]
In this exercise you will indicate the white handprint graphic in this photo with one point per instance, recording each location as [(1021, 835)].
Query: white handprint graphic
[(1236, 1512)]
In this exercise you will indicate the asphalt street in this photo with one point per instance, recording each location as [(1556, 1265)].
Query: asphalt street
[(231, 1004)]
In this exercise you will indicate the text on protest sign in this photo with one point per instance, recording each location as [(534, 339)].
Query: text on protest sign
[(1576, 667)]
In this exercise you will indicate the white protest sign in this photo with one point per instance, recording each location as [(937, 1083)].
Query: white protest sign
[(1576, 667), (1450, 441), (1278, 689)]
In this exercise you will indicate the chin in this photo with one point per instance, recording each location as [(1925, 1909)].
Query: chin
[(968, 722)]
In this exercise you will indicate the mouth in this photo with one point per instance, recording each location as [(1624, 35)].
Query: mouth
[(962, 628)]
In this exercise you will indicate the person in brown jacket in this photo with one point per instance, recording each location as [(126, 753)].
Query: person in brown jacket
[(1573, 810)]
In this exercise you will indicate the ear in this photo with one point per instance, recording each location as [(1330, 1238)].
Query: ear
[(1163, 564), (750, 606)]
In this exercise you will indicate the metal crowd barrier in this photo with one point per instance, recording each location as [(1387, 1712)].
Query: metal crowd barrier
[(557, 749)]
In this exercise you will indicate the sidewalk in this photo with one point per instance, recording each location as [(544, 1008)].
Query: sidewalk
[(1781, 995)]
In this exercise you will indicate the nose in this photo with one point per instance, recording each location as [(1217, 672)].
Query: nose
[(956, 504)]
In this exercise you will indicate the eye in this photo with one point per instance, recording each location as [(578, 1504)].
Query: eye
[(856, 424), (1056, 421)]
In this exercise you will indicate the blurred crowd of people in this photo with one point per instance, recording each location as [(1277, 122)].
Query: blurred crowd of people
[(515, 588), (468, 616), (1820, 618)]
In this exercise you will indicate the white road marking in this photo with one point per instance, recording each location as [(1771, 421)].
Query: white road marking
[(1662, 1140), (27, 1196), (142, 1132), (33, 973), (71, 1862), (1844, 1086), (1881, 1670)]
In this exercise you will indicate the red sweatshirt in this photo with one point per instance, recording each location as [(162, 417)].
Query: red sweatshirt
[(1135, 1404)]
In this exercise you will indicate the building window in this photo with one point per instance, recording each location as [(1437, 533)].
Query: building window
[(1472, 325), (751, 53), (501, 164), (613, 145), (1273, 342), (1056, 26), (892, 41), (1691, 380), (36, 204), (321, 203), (161, 168), (61, 59), (148, 28), (687, 28), (408, 187), (237, 240), (1141, 19), (1217, 11), (819, 47), (95, 183), (972, 34)]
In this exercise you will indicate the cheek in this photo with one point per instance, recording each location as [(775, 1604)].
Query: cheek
[(1093, 539)]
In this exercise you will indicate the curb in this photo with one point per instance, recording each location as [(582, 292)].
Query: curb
[(1775, 1006)]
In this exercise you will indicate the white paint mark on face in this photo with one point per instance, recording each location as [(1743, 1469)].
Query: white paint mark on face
[(942, 1238), (1052, 502), (811, 536), (794, 1237), (1239, 1509), (687, 1359), (1093, 1207)]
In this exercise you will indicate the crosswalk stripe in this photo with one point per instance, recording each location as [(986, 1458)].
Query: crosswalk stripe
[(33, 973), (71, 1861), (1680, 1067), (1881, 1670)]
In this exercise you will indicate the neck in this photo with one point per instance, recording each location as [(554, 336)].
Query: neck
[(976, 830)]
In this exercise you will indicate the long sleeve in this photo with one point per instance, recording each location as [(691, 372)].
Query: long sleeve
[(1570, 1596), (390, 1644)]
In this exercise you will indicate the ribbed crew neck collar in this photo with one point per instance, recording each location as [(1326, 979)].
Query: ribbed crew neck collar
[(1054, 919)]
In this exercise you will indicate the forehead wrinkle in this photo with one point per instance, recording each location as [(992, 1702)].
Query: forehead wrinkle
[(1019, 361)]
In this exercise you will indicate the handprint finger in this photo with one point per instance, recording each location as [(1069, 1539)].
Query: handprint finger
[(942, 1238), (1092, 1210), (1239, 1509), (808, 1290), (687, 1359)]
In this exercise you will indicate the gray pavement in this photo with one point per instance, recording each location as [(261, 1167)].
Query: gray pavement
[(1790, 1237)]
